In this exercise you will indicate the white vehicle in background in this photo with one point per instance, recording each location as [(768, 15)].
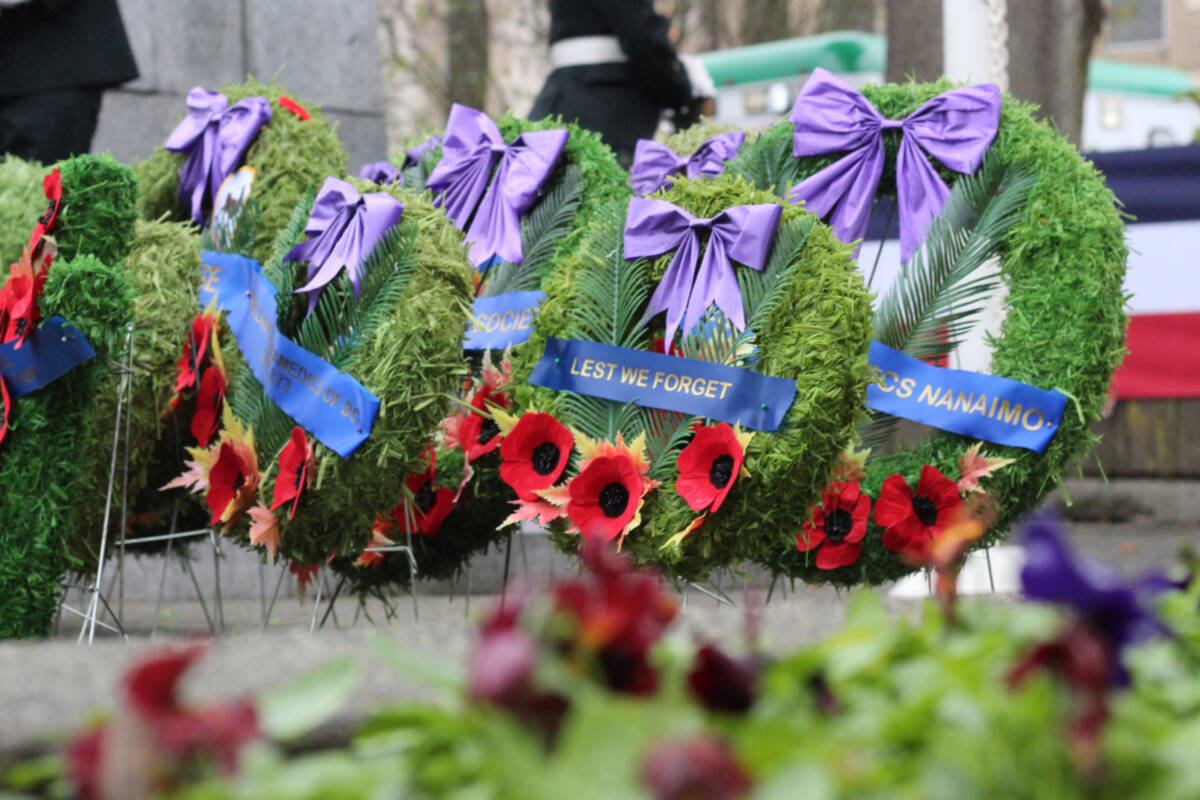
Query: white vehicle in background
[(1126, 106)]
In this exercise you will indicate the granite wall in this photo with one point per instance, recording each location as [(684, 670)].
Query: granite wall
[(326, 51)]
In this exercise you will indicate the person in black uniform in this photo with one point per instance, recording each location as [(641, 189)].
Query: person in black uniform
[(615, 71), (56, 59)]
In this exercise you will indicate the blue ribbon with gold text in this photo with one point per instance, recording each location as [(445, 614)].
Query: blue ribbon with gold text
[(988, 407), (48, 353), (502, 320), (654, 380), (328, 403)]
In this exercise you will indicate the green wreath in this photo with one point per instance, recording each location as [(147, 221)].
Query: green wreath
[(290, 156), (587, 177), (21, 202), (40, 469), (400, 337), (1063, 263), (808, 315)]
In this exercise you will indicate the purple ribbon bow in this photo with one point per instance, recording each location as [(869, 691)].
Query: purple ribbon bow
[(745, 233), (381, 172), (413, 155), (654, 162), (956, 128), (345, 227), (215, 136), (472, 146)]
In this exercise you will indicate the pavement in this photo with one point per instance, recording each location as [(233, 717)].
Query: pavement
[(49, 688)]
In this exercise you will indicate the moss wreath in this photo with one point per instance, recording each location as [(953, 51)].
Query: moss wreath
[(291, 154), (1063, 264), (21, 201), (816, 332), (471, 527), (40, 469), (408, 323)]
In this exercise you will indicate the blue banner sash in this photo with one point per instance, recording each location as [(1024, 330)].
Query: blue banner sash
[(987, 407), (329, 404), (672, 383), (49, 352), (497, 322)]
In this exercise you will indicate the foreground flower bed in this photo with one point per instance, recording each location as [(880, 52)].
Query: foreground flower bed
[(582, 692)]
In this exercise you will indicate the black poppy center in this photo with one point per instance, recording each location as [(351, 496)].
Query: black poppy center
[(838, 525), (488, 431), (299, 476), (721, 471), (425, 498), (49, 215), (613, 499), (925, 510), (545, 458), (239, 481)]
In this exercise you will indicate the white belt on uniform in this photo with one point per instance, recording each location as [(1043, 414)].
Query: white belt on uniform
[(580, 50)]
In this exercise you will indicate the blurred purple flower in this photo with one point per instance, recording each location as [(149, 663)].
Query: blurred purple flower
[(1107, 605), (381, 172), (415, 154), (695, 769)]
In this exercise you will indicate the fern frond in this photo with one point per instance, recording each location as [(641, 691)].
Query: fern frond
[(611, 292), (937, 299), (279, 271), (767, 162)]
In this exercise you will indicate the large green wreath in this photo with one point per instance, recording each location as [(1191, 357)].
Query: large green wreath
[(401, 339), (1063, 262), (289, 156), (810, 316), (587, 177), (41, 474), (21, 202)]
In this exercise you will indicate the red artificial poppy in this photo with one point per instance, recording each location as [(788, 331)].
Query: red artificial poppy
[(52, 187), (703, 768), (534, 454), (912, 519), (605, 497), (660, 346), (208, 405), (429, 507), (837, 526), (294, 107), (708, 466), (722, 683), (195, 351), (18, 298), (480, 434), (232, 482), (295, 471)]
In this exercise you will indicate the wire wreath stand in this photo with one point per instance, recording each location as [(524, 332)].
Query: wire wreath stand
[(92, 585)]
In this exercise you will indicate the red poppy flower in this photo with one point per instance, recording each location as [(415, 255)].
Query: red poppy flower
[(605, 497), (294, 107), (480, 434), (708, 466), (195, 351), (429, 507), (295, 471), (703, 768), (208, 405), (911, 519), (232, 482), (722, 683), (18, 298), (534, 454), (52, 187), (837, 526)]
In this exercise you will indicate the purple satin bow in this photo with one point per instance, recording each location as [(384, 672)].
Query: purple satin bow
[(413, 155), (745, 233), (472, 146), (345, 227), (215, 136), (956, 128), (654, 162), (381, 172)]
